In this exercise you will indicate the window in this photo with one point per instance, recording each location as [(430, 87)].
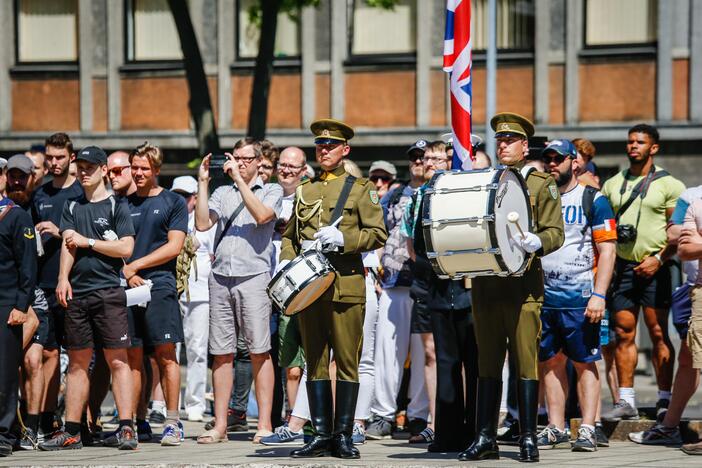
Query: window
[(377, 30), (151, 32), (620, 22), (515, 24), (47, 31), (287, 38)]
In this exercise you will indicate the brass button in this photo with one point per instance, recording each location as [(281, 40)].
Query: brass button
[(325, 183)]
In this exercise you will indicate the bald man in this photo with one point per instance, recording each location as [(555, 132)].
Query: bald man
[(120, 173)]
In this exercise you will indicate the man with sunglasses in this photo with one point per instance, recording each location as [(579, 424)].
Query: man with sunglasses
[(574, 300), (120, 174), (514, 316), (382, 174), (334, 323), (244, 213)]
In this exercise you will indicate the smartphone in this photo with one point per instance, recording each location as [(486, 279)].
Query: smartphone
[(217, 161)]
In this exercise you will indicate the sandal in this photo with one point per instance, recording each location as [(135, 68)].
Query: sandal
[(211, 437), (424, 437)]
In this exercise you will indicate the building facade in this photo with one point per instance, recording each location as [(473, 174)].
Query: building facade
[(109, 72)]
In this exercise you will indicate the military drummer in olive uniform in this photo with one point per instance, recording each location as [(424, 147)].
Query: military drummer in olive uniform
[(506, 310), (335, 321)]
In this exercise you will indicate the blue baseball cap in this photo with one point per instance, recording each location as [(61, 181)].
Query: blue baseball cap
[(562, 147)]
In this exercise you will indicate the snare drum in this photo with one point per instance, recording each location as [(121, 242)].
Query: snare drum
[(299, 283), (465, 224)]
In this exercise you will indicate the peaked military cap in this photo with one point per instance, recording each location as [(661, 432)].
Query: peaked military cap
[(330, 131), (511, 123)]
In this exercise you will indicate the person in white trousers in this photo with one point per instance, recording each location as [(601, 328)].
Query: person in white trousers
[(195, 309)]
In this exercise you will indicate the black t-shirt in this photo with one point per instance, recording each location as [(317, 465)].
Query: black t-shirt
[(92, 270), (18, 254), (47, 205), (153, 217)]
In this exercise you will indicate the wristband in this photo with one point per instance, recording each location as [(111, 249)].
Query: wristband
[(658, 257), (599, 295)]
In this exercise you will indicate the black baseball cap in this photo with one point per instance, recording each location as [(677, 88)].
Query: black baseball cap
[(419, 145), (92, 154)]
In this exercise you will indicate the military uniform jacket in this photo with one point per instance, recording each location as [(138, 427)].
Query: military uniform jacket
[(545, 203), (362, 226)]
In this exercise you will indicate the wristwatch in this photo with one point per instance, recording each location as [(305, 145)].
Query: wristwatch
[(658, 257), (91, 243)]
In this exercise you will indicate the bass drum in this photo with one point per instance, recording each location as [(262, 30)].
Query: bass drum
[(301, 282), (465, 223)]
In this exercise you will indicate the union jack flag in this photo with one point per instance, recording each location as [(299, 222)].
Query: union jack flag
[(458, 60)]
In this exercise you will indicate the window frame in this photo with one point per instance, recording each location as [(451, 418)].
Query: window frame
[(39, 65), (518, 53), (136, 64), (623, 48)]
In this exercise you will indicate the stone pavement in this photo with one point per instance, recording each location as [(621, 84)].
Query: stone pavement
[(240, 451)]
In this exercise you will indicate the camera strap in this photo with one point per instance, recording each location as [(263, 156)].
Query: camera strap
[(640, 189)]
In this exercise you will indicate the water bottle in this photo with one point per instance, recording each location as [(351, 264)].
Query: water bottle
[(604, 329)]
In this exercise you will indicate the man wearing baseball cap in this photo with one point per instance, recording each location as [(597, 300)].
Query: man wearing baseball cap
[(382, 174)]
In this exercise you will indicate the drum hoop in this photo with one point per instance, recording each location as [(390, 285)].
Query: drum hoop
[(490, 210), (426, 230), (303, 286)]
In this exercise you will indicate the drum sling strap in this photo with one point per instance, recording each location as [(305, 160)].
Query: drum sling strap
[(343, 196)]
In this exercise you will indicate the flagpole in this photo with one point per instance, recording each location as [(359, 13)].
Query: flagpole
[(491, 90)]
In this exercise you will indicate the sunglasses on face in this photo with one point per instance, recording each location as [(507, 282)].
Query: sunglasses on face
[(116, 171), (376, 178), (553, 157)]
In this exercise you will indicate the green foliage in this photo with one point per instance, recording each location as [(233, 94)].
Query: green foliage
[(290, 7), (385, 4)]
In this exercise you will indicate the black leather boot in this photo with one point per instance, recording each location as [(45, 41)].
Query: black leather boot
[(319, 394), (484, 447), (345, 408), (528, 391)]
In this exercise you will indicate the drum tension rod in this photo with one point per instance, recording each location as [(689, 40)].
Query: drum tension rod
[(448, 253), (475, 188), (291, 282), (471, 219)]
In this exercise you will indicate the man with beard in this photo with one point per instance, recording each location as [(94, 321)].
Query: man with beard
[(20, 180), (643, 198), (47, 206), (18, 267), (574, 301)]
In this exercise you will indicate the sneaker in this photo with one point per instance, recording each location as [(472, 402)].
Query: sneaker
[(157, 418), (551, 438), (621, 411), (693, 449), (601, 437), (182, 431), (171, 436), (283, 436), (509, 433), (586, 441), (5, 449), (195, 416), (144, 433), (358, 436), (29, 439), (657, 435), (112, 424), (124, 439), (661, 409), (379, 429), (416, 426), (236, 422), (61, 440)]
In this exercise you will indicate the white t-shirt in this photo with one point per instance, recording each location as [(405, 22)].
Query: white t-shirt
[(199, 290)]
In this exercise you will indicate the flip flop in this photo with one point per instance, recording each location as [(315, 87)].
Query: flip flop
[(211, 437)]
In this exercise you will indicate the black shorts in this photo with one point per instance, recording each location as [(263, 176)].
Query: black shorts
[(98, 318), (629, 290), (41, 336), (421, 317), (56, 318), (158, 323)]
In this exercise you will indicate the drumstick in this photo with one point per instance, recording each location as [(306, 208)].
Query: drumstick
[(513, 217), (316, 243)]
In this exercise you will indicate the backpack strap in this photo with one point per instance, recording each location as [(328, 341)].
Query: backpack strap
[(588, 202)]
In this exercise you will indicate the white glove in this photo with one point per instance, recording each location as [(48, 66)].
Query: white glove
[(329, 235), (280, 266), (529, 243)]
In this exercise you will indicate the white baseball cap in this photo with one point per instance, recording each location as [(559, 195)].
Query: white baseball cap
[(185, 184)]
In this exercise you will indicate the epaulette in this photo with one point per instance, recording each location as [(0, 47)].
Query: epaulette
[(543, 175), (362, 181)]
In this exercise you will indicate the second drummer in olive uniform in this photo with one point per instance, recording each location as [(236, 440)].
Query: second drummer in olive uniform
[(508, 309), (335, 321)]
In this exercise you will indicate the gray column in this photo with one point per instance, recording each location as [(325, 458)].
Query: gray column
[(339, 48), (696, 61), (7, 26), (574, 27), (308, 52), (225, 56), (85, 57), (664, 64), (541, 52), (115, 56), (423, 67)]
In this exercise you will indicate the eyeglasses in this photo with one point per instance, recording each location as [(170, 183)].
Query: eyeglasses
[(553, 157), (434, 159), (116, 171), (290, 167), (247, 160), (267, 167), (376, 178)]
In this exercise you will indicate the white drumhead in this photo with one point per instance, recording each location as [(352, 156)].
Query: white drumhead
[(511, 196)]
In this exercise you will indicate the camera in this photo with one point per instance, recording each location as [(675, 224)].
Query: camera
[(217, 161), (626, 233)]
